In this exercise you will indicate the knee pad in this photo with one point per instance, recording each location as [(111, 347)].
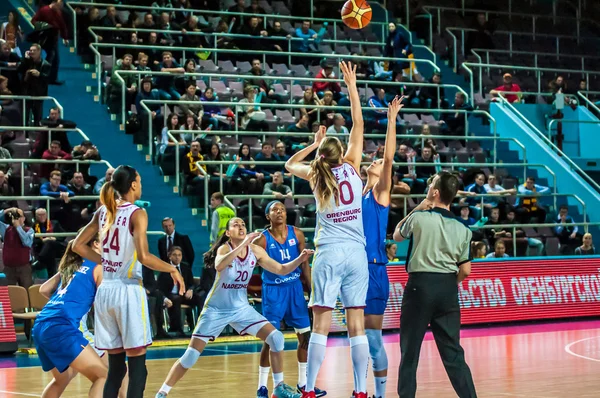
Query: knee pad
[(189, 358), (376, 349), (275, 341)]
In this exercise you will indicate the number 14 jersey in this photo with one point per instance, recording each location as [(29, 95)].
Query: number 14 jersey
[(230, 289), (119, 257), (343, 224)]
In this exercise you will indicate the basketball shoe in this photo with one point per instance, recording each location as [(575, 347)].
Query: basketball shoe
[(262, 392), (284, 391), (359, 394), (161, 394), (318, 392)]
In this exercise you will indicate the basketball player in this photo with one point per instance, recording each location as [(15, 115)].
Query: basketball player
[(122, 324), (283, 296), (234, 257), (340, 265), (61, 347), (376, 208)]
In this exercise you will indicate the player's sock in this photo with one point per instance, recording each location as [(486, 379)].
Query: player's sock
[(277, 379), (359, 349), (263, 376), (137, 376), (165, 388), (316, 354), (378, 358), (380, 386), (116, 372), (302, 374)]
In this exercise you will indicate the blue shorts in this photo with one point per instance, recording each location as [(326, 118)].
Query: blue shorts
[(379, 290), (57, 344), (285, 302)]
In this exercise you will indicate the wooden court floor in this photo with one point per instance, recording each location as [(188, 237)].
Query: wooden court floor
[(536, 361)]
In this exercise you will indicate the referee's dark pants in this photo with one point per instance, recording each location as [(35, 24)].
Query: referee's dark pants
[(432, 298)]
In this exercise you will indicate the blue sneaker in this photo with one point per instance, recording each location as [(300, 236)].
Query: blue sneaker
[(318, 392), (285, 391), (262, 392)]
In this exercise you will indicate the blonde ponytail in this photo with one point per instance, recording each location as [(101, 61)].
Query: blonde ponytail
[(108, 197), (70, 262), (321, 177)]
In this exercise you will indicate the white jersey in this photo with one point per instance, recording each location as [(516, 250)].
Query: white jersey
[(230, 290), (119, 257), (342, 224)]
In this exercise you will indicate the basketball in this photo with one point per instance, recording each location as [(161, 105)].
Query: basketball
[(356, 14)]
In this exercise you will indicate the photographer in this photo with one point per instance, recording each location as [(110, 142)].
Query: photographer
[(16, 254)]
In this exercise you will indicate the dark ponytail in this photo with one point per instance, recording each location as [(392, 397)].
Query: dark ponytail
[(120, 184), (211, 255)]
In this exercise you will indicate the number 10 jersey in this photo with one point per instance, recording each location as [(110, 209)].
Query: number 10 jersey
[(119, 257), (343, 224)]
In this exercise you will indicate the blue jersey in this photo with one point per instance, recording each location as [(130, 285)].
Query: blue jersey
[(70, 303), (282, 253), (375, 221)]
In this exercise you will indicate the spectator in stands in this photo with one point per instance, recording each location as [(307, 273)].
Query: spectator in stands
[(172, 239), (10, 114), (34, 73), (267, 155), (277, 188), (425, 168), (404, 173), (379, 101), (396, 46), (16, 253), (130, 81), (11, 32), (499, 250), (193, 174), (5, 190), (154, 55), (90, 19), (86, 151), (419, 142), (390, 250), (455, 123), (477, 187), (280, 150), (338, 126), (5, 154), (587, 248), (237, 20), (253, 118), (212, 113), (195, 40), (310, 39), (110, 20), (132, 40), (493, 188), (52, 15), (107, 178), (277, 31), (327, 114), (252, 28), (9, 62), (478, 250), (156, 302), (264, 86), (54, 189), (255, 8), (49, 248), (298, 142), (528, 207), (148, 24), (492, 234), (322, 86), (220, 216), (142, 64), (482, 36), (196, 110), (192, 128), (465, 217), (82, 209), (166, 84), (520, 237), (165, 24), (54, 120), (147, 92), (566, 233), (508, 86), (54, 153), (310, 98), (171, 292), (167, 146), (433, 97)]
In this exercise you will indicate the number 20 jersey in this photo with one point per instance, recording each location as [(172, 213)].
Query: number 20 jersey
[(343, 224), (230, 289), (119, 257)]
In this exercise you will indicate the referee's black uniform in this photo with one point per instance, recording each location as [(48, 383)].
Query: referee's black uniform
[(439, 245)]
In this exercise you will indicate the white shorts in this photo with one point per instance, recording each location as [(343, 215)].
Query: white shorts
[(121, 311), (340, 270), (89, 336), (245, 320)]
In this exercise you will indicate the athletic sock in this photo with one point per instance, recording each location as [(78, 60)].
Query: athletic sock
[(359, 349), (137, 376), (165, 388), (316, 354), (302, 374), (380, 386), (263, 376), (277, 379), (116, 372)]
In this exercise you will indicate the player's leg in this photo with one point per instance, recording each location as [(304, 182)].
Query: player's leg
[(353, 293), (59, 383), (181, 366), (273, 308), (89, 364), (123, 390)]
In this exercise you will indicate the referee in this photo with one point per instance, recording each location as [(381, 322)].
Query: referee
[(439, 258)]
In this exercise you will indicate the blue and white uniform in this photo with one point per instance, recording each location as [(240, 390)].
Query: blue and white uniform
[(340, 264), (227, 302), (56, 333), (283, 295), (375, 217)]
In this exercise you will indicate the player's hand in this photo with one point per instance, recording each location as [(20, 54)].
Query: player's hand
[(394, 107), (252, 236), (349, 72), (305, 255), (320, 135), (177, 278)]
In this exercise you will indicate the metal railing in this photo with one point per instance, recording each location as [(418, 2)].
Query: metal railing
[(574, 168), (70, 234), (41, 129), (574, 121), (446, 165), (144, 104), (61, 162), (172, 133), (290, 79), (588, 103), (26, 98), (261, 54), (49, 199), (335, 23)]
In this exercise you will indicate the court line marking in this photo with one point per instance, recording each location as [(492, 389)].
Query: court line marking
[(569, 351), (20, 393)]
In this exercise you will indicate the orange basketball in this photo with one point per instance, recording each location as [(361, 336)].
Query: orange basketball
[(356, 14)]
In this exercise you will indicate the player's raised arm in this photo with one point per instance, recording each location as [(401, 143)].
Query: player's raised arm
[(306, 271), (139, 220), (384, 184), (294, 164), (355, 142), (225, 255), (88, 232), (277, 268)]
